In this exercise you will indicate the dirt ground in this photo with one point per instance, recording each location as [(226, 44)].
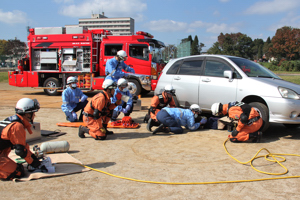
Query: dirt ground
[(197, 156)]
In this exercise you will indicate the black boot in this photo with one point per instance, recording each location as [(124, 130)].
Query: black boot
[(159, 129), (107, 131), (82, 130), (149, 125)]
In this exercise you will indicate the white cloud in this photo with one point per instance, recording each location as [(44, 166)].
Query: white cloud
[(272, 7), (224, 1), (216, 13), (111, 8), (198, 24), (224, 28), (166, 26), (290, 20), (13, 17), (63, 1)]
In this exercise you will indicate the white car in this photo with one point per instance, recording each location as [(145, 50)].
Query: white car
[(207, 79)]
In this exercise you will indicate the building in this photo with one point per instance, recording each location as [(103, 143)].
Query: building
[(118, 26)]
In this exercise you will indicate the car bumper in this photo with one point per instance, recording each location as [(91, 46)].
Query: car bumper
[(285, 111)]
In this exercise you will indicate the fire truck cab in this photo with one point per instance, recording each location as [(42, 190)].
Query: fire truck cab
[(56, 53)]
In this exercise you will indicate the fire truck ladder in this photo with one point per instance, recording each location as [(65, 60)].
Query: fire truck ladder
[(95, 48)]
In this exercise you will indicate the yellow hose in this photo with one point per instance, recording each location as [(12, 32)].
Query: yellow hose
[(215, 182)]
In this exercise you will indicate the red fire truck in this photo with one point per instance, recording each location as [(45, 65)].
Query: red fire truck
[(55, 53)]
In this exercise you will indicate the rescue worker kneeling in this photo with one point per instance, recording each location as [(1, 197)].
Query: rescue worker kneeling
[(172, 119), (98, 112), (126, 106), (158, 102), (13, 136), (249, 120)]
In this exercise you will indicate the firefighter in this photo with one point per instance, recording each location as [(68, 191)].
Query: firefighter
[(114, 67), (172, 119), (73, 100), (98, 111), (124, 107), (249, 120), (158, 102), (13, 136)]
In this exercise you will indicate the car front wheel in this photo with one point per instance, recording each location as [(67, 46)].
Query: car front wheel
[(263, 111)]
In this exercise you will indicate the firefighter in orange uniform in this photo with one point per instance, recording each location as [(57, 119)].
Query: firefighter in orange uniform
[(98, 112), (158, 102), (13, 136), (249, 120)]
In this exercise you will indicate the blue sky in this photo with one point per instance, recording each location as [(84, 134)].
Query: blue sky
[(168, 20)]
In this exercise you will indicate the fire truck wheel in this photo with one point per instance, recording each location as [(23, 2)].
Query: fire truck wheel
[(49, 83), (136, 85)]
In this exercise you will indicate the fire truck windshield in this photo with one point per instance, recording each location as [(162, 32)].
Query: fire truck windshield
[(156, 54)]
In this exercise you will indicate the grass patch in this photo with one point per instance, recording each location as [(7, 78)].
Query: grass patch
[(3, 76), (293, 79)]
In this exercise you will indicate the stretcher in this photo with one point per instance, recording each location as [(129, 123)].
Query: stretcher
[(126, 122)]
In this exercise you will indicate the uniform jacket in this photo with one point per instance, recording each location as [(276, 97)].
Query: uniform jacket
[(70, 98), (155, 103), (184, 117), (114, 99), (113, 69)]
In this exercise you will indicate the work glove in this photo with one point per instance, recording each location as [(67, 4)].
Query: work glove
[(103, 130), (83, 98), (74, 115), (124, 110), (128, 107), (118, 102), (234, 133), (118, 96), (203, 120)]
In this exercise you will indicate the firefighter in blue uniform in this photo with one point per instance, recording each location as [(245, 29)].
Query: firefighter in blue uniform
[(172, 119), (114, 67), (124, 107), (73, 100)]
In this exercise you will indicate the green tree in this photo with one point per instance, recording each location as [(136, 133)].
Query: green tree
[(286, 43), (2, 46), (15, 48), (257, 48), (266, 47), (215, 49), (195, 47)]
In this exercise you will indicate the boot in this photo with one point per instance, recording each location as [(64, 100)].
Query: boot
[(149, 125), (159, 129), (107, 131), (82, 130)]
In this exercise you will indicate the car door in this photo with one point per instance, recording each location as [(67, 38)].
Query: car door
[(214, 87), (186, 81)]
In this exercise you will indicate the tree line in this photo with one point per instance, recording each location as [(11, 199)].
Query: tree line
[(283, 48), (11, 49)]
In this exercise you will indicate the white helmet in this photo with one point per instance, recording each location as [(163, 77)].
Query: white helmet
[(215, 109), (71, 79), (109, 84), (122, 55), (122, 82), (196, 108), (169, 89), (26, 105)]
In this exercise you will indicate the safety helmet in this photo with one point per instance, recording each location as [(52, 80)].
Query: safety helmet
[(122, 82), (169, 89), (109, 84), (122, 55), (26, 105), (215, 108), (71, 79), (196, 108)]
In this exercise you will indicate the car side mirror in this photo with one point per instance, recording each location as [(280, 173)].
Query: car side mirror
[(228, 74)]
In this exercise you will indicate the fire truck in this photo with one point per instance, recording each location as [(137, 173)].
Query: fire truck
[(56, 53)]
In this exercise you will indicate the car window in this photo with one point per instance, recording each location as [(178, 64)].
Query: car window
[(215, 68), (112, 49), (174, 68), (192, 67)]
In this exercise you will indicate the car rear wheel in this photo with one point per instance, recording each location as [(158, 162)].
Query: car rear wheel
[(263, 112), (51, 83)]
